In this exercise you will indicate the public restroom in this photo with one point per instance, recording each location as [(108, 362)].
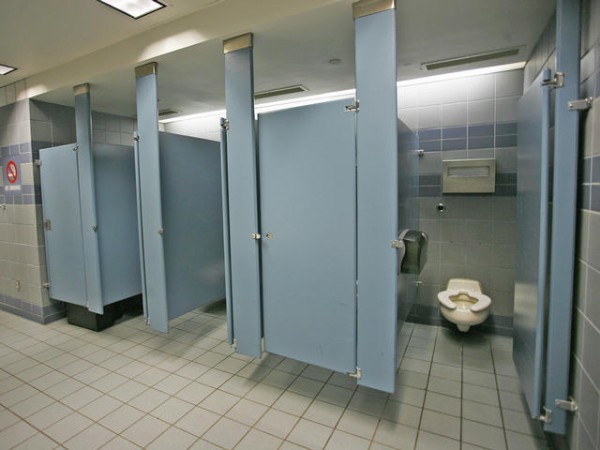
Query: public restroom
[(310, 207)]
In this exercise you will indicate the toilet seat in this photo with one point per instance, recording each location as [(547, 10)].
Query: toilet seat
[(482, 301)]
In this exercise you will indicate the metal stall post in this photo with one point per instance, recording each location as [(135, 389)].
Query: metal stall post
[(564, 204), (149, 198), (377, 192), (87, 198), (244, 232)]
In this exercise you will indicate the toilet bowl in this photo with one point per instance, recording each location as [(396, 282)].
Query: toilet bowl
[(464, 304)]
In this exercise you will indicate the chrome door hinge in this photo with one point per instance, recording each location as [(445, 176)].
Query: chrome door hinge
[(546, 417), (76, 148), (225, 124), (567, 405), (255, 236), (48, 224), (557, 81), (581, 105), (37, 162), (136, 138), (46, 285), (356, 374), (354, 107)]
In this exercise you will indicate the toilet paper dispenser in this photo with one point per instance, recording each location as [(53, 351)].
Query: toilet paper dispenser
[(412, 246)]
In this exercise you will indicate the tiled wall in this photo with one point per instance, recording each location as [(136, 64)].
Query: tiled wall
[(207, 127), (467, 118), (25, 128)]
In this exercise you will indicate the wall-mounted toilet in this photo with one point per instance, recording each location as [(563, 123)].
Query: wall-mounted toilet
[(464, 304)]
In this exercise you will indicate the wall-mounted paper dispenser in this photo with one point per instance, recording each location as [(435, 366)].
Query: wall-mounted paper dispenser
[(412, 247), (469, 176)]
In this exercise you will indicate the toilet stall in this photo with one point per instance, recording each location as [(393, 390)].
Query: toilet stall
[(90, 222), (180, 215), (317, 199)]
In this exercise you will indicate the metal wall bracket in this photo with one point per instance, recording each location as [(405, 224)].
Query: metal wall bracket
[(354, 107), (546, 417), (567, 405), (255, 236), (48, 224), (136, 138), (398, 243), (37, 162), (161, 231), (224, 124), (46, 285), (234, 344), (557, 81), (94, 228), (356, 374), (581, 105), (76, 148)]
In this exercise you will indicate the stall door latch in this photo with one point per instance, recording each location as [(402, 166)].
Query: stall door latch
[(581, 104), (567, 405)]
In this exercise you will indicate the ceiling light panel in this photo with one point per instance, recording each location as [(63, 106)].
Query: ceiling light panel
[(134, 8), (6, 69)]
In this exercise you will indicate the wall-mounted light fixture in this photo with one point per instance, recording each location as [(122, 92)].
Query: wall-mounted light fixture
[(134, 8), (4, 69)]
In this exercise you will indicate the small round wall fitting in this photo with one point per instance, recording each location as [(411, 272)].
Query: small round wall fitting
[(441, 207)]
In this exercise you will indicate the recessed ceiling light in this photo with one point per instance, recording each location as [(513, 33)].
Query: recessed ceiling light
[(4, 69), (134, 8), (470, 59)]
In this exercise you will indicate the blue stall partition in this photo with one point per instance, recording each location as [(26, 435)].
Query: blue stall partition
[(533, 186), (242, 178), (307, 162), (115, 230), (190, 182)]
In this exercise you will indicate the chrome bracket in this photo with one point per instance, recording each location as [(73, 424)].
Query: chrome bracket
[(37, 162), (48, 224), (581, 105), (234, 344), (94, 228), (46, 285), (224, 124), (161, 231), (255, 236), (567, 405), (136, 138), (354, 107), (546, 417), (421, 152), (76, 148), (356, 374), (557, 81), (397, 243)]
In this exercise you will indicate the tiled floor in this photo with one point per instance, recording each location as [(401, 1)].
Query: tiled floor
[(127, 387)]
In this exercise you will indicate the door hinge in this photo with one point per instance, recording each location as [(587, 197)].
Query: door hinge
[(224, 124), (546, 417), (48, 224), (354, 107), (46, 285), (356, 374), (557, 81), (581, 105), (76, 148), (37, 162), (136, 138), (255, 236), (567, 405)]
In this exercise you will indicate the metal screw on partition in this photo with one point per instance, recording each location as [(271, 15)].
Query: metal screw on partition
[(441, 208)]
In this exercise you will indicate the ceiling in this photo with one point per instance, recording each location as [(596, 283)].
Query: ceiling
[(291, 46)]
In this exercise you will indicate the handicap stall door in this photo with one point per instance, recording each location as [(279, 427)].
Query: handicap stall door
[(62, 224), (307, 194)]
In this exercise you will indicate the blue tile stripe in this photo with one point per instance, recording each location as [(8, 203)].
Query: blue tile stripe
[(499, 135), (39, 314)]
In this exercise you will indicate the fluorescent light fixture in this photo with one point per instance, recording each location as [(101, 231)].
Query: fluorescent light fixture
[(470, 59), (134, 8), (4, 69), (350, 93), (280, 91), (463, 73)]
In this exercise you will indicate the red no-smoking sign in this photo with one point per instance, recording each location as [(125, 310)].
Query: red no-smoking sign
[(11, 172)]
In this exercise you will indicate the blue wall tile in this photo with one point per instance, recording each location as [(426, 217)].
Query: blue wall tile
[(454, 133), (454, 144), (506, 141), (481, 142)]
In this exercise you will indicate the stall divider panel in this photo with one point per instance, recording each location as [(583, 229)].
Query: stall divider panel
[(190, 179), (532, 240), (564, 204), (62, 231), (226, 245), (89, 221), (242, 178), (116, 208), (307, 184), (377, 196), (153, 257)]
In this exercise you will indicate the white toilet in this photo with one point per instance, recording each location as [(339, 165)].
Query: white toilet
[(464, 304)]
